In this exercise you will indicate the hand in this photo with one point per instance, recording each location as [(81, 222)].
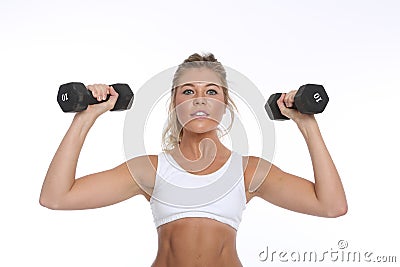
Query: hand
[(286, 103), (100, 92)]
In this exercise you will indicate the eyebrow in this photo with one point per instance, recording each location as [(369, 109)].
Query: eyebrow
[(193, 85)]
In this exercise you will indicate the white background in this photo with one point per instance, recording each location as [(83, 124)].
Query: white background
[(351, 47)]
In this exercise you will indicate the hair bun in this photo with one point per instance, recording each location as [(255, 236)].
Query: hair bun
[(209, 57)]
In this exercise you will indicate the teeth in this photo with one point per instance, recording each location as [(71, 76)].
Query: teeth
[(200, 113)]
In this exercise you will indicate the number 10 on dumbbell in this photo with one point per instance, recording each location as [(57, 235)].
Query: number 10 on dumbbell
[(309, 99)]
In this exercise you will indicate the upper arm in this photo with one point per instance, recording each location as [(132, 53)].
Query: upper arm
[(281, 188), (111, 186)]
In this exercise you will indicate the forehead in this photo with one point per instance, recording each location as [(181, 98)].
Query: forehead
[(204, 75)]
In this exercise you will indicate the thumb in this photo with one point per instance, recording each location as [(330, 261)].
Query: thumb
[(281, 104), (288, 112), (113, 96)]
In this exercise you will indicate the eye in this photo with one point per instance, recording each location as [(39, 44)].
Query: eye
[(212, 92), (187, 91)]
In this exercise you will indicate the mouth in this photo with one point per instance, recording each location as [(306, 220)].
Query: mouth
[(200, 113)]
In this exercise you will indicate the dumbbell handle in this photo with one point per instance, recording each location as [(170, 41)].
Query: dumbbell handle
[(273, 110), (316, 97), (127, 97), (91, 100), (278, 95)]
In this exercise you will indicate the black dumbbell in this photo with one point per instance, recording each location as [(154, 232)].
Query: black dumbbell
[(75, 97), (309, 99)]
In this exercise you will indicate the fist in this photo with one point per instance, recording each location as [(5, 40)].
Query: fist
[(100, 92), (286, 106)]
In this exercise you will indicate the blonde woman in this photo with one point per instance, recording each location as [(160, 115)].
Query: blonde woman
[(202, 234)]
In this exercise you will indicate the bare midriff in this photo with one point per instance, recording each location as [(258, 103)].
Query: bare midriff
[(196, 242)]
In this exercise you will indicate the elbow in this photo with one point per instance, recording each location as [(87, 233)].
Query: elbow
[(50, 204), (337, 211), (47, 204)]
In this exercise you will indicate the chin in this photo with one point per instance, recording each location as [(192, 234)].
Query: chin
[(200, 127)]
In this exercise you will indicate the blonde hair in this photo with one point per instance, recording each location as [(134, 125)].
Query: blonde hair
[(172, 133)]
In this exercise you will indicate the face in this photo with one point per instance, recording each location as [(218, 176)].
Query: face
[(199, 100)]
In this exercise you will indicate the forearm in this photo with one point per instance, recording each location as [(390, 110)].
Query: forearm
[(328, 186), (60, 176)]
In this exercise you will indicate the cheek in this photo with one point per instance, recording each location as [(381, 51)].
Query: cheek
[(182, 110), (219, 107)]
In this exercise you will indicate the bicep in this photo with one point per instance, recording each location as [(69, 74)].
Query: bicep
[(102, 189), (289, 191)]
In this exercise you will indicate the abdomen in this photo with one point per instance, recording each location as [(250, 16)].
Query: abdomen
[(196, 242)]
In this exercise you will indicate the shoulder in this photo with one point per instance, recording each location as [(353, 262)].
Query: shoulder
[(143, 170), (143, 162), (251, 164), (255, 170)]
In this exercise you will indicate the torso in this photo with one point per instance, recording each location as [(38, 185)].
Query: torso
[(197, 241)]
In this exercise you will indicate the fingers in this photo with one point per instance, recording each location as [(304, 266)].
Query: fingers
[(99, 91)]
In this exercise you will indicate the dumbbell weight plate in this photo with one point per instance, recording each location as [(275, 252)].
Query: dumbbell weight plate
[(71, 97), (125, 96), (311, 99)]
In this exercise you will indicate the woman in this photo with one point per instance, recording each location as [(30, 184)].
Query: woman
[(203, 233)]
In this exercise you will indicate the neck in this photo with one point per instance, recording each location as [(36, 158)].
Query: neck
[(200, 145)]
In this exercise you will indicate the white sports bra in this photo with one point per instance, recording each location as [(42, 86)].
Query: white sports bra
[(179, 194)]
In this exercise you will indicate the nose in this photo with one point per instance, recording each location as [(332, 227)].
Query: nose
[(199, 101)]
